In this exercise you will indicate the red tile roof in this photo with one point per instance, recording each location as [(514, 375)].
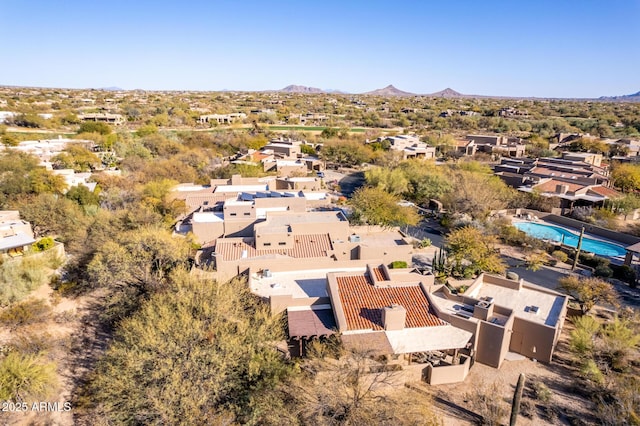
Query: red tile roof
[(604, 191), (379, 274), (550, 186), (362, 304), (305, 246), (197, 200), (308, 323)]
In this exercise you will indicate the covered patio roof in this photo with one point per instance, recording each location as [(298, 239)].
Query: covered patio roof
[(308, 323)]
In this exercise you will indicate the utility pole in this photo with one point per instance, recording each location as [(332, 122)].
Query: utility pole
[(575, 261)]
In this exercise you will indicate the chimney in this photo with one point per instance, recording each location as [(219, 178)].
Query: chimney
[(394, 317)]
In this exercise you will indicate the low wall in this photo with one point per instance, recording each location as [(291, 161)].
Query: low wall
[(280, 303), (501, 281), (443, 374)]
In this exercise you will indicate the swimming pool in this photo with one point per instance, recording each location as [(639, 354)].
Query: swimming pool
[(548, 232)]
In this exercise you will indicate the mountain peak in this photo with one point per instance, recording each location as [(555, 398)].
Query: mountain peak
[(447, 93), (390, 90), (293, 88), (634, 97)]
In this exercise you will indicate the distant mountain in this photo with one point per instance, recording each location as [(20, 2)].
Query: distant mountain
[(293, 88), (112, 89), (447, 93), (390, 90), (634, 97)]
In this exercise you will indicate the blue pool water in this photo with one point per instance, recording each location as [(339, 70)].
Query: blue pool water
[(548, 232)]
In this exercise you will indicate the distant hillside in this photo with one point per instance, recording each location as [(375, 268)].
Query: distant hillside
[(112, 89), (447, 93), (293, 88), (635, 97), (390, 90)]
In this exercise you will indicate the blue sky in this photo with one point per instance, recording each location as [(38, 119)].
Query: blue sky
[(561, 48)]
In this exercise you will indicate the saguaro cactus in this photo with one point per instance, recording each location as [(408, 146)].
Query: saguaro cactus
[(515, 404)]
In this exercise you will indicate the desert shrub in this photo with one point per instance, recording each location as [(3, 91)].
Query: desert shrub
[(590, 371), (25, 313), (43, 244), (527, 408), (398, 264), (581, 340), (603, 271), (19, 277), (542, 392), (30, 342), (484, 402), (593, 261), (624, 273), (26, 377), (560, 255)]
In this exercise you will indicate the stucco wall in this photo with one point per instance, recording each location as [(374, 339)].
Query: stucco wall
[(533, 340), (493, 343), (443, 374)]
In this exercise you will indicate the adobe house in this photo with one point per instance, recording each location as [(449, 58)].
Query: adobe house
[(287, 241), (16, 235), (507, 316), (430, 331)]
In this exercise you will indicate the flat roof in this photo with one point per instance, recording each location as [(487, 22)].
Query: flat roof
[(425, 339), (241, 188), (362, 303), (522, 301), (14, 241), (382, 239), (207, 217), (299, 284), (454, 307), (306, 217)]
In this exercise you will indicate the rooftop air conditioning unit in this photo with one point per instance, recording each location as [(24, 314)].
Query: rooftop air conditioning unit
[(354, 238), (534, 310), (267, 273)]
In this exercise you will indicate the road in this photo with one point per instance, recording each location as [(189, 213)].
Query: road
[(349, 182)]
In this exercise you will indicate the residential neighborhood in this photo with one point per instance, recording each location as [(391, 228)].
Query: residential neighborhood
[(320, 214)]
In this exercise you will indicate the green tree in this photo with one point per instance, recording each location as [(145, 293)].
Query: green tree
[(83, 196), (347, 153), (94, 127), (33, 121), (588, 291), (375, 206), (392, 181), (426, 181), (477, 193), (78, 158), (470, 252), (626, 177), (199, 353)]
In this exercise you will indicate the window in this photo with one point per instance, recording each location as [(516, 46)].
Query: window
[(282, 243), (267, 244), (233, 214), (247, 213)]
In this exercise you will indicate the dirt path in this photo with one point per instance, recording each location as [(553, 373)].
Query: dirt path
[(78, 344)]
